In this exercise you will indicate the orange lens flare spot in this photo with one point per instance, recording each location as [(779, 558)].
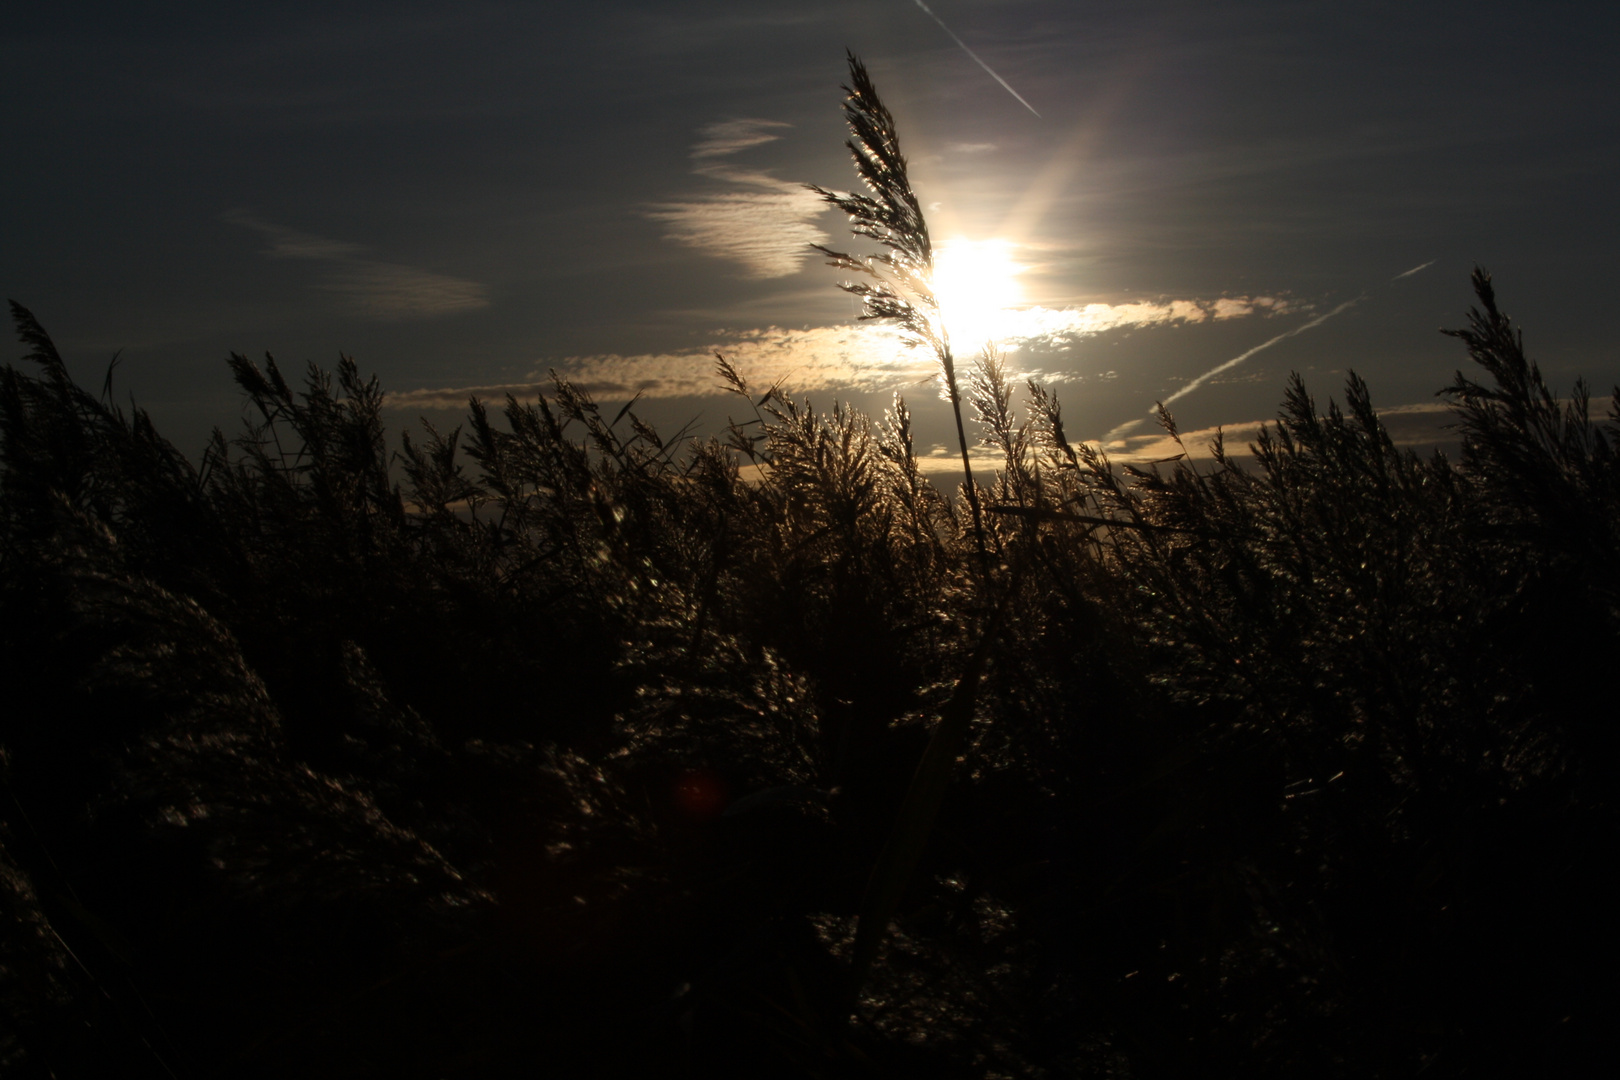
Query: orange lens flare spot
[(700, 794)]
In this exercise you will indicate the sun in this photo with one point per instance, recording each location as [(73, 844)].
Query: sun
[(976, 284)]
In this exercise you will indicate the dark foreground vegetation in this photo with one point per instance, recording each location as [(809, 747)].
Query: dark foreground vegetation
[(560, 751), (573, 753)]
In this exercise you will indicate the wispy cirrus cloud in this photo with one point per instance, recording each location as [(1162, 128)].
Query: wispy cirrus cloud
[(859, 357), (728, 137), (1050, 326), (1422, 427), (762, 222), (368, 287), (843, 357)]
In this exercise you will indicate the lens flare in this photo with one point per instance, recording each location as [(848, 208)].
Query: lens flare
[(700, 794)]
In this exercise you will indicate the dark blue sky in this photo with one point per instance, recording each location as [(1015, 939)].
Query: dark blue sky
[(467, 195)]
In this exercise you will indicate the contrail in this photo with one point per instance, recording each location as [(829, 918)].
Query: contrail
[(1414, 270), (1129, 425), (1232, 363), (1236, 360), (930, 13)]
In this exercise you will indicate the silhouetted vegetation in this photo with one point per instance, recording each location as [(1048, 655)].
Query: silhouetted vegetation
[(551, 746)]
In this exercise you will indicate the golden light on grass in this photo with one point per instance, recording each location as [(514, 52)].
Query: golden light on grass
[(976, 283)]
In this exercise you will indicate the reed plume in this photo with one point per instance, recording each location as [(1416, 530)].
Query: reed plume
[(900, 289)]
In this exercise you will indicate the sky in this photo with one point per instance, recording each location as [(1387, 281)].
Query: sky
[(1137, 202)]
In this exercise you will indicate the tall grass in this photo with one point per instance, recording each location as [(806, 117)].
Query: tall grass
[(900, 289), (551, 743)]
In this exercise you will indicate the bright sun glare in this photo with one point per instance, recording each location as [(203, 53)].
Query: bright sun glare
[(976, 282)]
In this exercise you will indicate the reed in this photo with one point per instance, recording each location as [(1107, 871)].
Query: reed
[(899, 288)]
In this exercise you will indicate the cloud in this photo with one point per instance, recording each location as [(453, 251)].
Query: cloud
[(1219, 369), (948, 459), (1236, 360), (377, 290), (387, 291), (1414, 270), (455, 397), (1158, 446), (767, 232), (1051, 326), (765, 227), (1421, 427), (863, 357), (818, 359), (731, 136)]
